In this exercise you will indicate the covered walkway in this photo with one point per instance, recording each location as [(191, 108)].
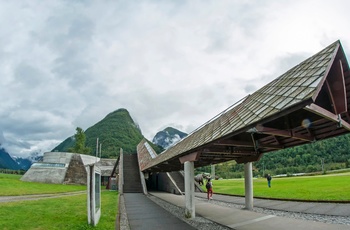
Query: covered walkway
[(307, 103)]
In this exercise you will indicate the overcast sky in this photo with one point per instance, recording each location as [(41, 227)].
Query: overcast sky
[(67, 64)]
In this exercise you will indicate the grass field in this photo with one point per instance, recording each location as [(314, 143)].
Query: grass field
[(54, 213), (11, 185), (71, 212), (333, 187)]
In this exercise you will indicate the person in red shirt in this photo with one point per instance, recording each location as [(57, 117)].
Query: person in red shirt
[(209, 187)]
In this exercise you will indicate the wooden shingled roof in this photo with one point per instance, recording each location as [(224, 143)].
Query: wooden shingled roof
[(307, 103)]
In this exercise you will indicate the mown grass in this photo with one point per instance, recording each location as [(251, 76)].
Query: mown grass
[(54, 213), (57, 213), (11, 185), (334, 187)]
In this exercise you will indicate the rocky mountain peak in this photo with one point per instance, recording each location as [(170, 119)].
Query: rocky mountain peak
[(168, 137)]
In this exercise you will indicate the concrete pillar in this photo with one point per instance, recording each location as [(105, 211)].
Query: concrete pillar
[(190, 211), (121, 173), (248, 185), (213, 172)]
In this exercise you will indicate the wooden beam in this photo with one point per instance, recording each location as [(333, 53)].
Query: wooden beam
[(270, 146), (336, 88), (235, 143), (190, 157), (283, 133), (249, 159), (328, 115), (216, 154)]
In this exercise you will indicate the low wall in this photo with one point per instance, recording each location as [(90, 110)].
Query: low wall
[(45, 175)]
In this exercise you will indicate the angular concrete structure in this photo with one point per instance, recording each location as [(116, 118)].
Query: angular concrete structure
[(60, 168)]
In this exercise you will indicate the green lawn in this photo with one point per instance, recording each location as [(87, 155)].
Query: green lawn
[(54, 213), (11, 185), (71, 212), (333, 187)]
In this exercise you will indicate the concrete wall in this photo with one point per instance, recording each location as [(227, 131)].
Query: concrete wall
[(87, 160), (45, 175), (72, 171), (63, 157), (161, 182), (57, 157), (76, 171)]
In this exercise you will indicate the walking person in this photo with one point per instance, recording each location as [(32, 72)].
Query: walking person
[(269, 178), (209, 187)]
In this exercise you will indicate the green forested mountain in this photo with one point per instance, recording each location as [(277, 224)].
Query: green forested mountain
[(330, 154), (117, 130)]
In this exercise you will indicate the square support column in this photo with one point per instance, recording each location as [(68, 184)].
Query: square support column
[(248, 185), (212, 174), (190, 211)]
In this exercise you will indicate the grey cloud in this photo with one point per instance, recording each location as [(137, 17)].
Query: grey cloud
[(169, 63), (288, 61), (12, 142), (68, 33), (28, 75), (232, 24), (29, 123), (250, 88), (2, 138)]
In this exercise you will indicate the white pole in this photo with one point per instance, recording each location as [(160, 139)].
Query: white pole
[(100, 150), (96, 147), (213, 172)]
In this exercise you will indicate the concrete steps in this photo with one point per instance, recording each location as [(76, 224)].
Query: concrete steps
[(132, 181)]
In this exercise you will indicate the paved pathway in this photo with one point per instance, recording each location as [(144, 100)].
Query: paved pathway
[(240, 219), (145, 214)]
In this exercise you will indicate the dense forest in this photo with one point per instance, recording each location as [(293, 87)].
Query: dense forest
[(320, 156)]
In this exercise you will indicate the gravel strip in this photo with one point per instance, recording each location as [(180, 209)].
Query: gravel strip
[(295, 215), (203, 223), (197, 222)]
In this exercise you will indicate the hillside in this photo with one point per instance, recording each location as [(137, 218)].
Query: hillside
[(329, 154), (6, 161), (168, 137), (117, 130)]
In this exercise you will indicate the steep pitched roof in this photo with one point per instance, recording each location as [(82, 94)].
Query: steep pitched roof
[(307, 103)]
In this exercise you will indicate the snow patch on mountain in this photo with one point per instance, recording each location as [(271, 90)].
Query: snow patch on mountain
[(168, 137)]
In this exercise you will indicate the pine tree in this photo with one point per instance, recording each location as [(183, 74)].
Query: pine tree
[(80, 139)]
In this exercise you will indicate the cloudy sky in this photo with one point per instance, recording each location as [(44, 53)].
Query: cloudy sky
[(65, 64)]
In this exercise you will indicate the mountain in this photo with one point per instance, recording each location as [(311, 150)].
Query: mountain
[(117, 130), (23, 163), (168, 137), (6, 161)]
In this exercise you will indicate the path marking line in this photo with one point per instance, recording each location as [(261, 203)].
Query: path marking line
[(251, 221)]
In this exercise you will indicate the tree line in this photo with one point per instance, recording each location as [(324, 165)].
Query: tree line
[(320, 156)]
